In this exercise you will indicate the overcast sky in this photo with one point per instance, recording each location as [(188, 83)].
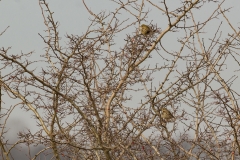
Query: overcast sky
[(25, 19)]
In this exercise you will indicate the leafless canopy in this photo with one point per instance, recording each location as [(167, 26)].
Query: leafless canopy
[(99, 96)]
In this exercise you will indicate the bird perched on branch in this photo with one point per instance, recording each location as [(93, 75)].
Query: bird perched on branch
[(166, 114), (145, 30)]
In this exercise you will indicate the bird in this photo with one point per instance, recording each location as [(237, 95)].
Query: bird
[(166, 114), (145, 30)]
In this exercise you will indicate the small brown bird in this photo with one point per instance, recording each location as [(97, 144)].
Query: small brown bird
[(145, 30), (166, 114)]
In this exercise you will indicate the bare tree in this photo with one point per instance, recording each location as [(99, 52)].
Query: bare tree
[(95, 99)]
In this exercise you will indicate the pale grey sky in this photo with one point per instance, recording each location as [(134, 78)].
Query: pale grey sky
[(25, 19)]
